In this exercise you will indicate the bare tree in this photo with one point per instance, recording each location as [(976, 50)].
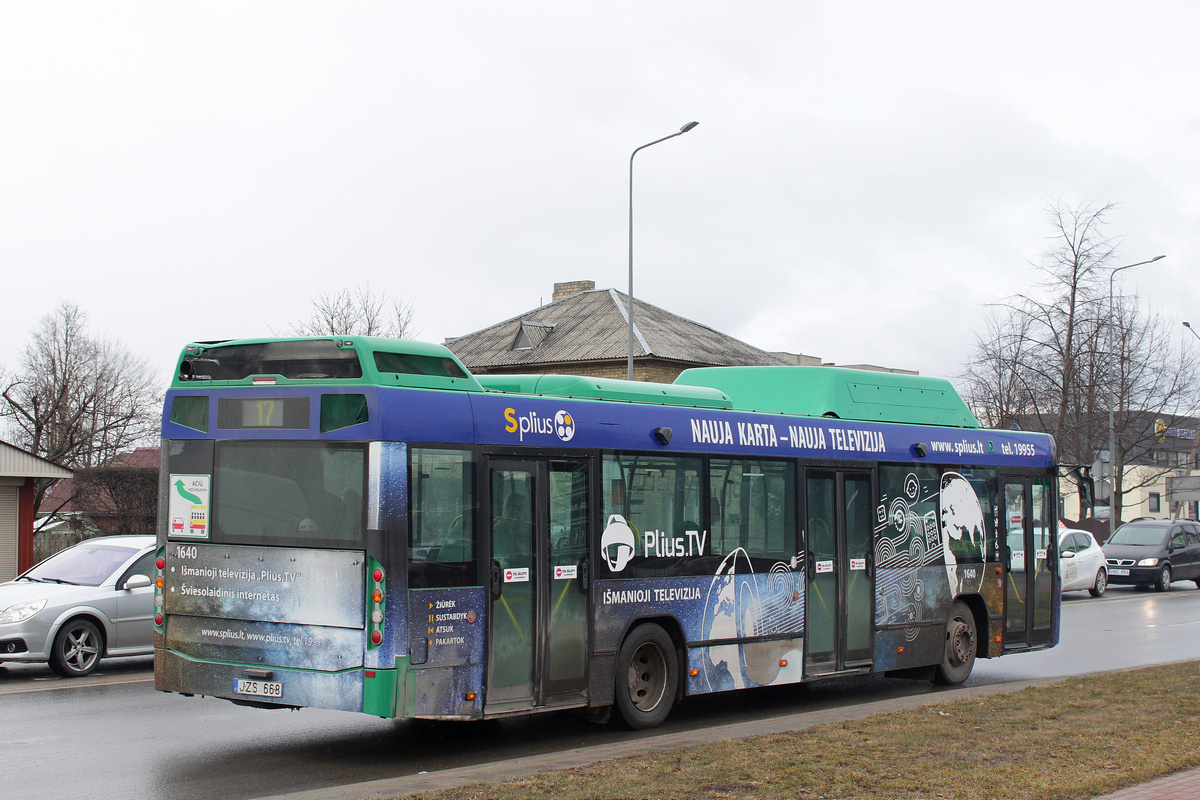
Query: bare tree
[(77, 400), (1057, 359), (1154, 378), (121, 498), (358, 312), (994, 385), (1036, 362)]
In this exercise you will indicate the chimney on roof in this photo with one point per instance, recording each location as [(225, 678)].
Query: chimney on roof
[(569, 288)]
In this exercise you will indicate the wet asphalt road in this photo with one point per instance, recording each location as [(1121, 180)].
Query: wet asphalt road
[(112, 737)]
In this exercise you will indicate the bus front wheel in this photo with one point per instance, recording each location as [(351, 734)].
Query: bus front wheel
[(961, 643), (647, 677)]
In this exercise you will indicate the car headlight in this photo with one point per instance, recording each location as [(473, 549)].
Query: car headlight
[(21, 611), (1148, 562)]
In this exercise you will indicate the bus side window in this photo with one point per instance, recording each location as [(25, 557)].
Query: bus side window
[(441, 547)]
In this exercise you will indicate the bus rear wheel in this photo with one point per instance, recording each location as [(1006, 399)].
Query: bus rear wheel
[(961, 643), (647, 677)]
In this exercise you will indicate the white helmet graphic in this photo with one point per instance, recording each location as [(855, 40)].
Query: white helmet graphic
[(617, 543)]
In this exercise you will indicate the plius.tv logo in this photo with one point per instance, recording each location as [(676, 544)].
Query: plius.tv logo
[(562, 424)]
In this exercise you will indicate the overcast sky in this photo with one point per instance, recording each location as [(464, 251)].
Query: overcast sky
[(865, 178)]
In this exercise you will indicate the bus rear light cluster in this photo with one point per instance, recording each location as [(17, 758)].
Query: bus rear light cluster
[(376, 615), (160, 564)]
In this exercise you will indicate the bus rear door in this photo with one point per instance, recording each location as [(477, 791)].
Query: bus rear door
[(1030, 551), (538, 638), (840, 612)]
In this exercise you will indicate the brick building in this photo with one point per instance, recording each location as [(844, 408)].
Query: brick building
[(19, 473)]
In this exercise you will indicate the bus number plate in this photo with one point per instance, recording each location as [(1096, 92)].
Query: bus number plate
[(258, 688)]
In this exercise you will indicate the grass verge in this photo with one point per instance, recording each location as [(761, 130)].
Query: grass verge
[(1073, 740)]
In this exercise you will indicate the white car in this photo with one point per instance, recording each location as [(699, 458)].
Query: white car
[(89, 601), (1081, 563)]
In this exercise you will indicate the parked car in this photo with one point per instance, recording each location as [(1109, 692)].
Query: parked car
[(89, 601), (1081, 563), (1154, 552)]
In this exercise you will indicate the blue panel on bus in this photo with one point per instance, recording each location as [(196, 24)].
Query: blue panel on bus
[(496, 418), (451, 622), (425, 416), (560, 422)]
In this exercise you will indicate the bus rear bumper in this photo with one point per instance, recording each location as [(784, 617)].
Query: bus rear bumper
[(262, 686)]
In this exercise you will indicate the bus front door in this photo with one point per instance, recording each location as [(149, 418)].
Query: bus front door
[(840, 608), (1029, 551), (538, 630)]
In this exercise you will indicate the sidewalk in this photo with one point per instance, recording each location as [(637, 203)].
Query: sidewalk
[(1180, 786)]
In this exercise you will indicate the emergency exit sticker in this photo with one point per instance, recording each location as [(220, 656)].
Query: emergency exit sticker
[(516, 575), (566, 572), (188, 506)]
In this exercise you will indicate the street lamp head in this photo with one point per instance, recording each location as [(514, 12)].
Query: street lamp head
[(1156, 258), (691, 125)]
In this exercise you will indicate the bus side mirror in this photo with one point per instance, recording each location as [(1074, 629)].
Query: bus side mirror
[(1087, 492)]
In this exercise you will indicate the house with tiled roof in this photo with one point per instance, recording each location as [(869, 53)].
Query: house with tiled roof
[(585, 331)]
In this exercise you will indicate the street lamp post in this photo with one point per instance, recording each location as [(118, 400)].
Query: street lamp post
[(1112, 401), (679, 132)]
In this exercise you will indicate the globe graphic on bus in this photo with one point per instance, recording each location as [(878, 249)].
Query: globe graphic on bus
[(723, 663), (962, 531)]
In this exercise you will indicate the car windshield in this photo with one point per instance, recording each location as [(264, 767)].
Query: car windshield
[(1143, 535), (84, 564)]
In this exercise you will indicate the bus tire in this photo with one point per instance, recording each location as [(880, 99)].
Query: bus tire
[(958, 658), (647, 677)]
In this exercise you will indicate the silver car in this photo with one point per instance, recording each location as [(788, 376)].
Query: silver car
[(89, 601)]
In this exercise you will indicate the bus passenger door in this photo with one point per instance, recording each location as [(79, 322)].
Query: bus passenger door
[(840, 601), (1029, 549), (538, 637)]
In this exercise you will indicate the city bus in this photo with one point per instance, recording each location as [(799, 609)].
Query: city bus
[(361, 524)]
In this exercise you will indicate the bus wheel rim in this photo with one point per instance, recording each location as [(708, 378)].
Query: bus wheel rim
[(647, 677)]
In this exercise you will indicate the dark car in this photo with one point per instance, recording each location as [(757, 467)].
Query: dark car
[(1154, 552)]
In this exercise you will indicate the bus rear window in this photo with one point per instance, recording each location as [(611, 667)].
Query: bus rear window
[(298, 494), (299, 360)]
